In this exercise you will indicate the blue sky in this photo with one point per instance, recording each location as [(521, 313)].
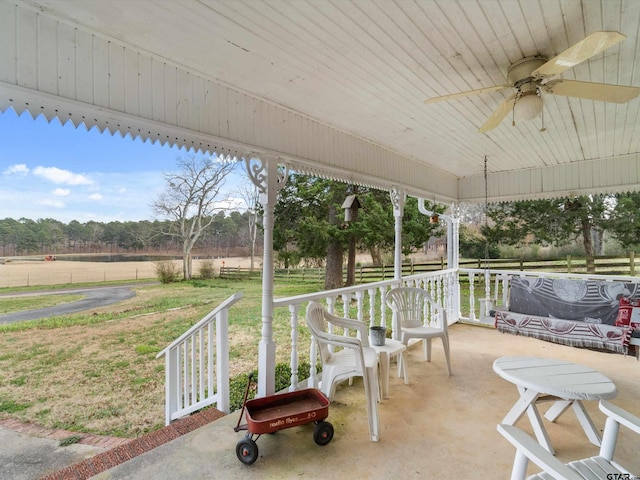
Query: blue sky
[(49, 170)]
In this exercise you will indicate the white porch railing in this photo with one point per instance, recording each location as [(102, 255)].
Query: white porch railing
[(366, 303), (191, 373), (489, 289), (190, 369)]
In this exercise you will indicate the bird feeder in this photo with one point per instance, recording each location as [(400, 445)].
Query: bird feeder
[(351, 205)]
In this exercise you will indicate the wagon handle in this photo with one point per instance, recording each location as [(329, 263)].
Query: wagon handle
[(244, 403)]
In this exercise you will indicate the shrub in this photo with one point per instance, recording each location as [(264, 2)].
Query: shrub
[(167, 271), (238, 384), (206, 270)]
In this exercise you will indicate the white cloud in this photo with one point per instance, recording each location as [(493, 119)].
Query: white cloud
[(61, 192), (57, 175), (95, 196), (47, 202), (18, 169)]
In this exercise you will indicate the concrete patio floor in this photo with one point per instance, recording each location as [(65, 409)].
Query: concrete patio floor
[(436, 427)]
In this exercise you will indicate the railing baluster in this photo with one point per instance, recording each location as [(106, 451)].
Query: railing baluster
[(200, 372), (346, 302), (192, 369), (331, 305), (383, 305), (172, 384), (222, 360), (293, 309), (210, 353), (313, 359), (472, 297), (372, 307), (360, 303), (185, 374)]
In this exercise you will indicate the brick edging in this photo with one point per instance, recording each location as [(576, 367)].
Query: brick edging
[(35, 430), (132, 448)]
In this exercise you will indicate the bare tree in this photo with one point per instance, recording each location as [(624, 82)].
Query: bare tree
[(190, 199), (251, 196)]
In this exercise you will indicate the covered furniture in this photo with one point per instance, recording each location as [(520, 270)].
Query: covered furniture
[(417, 316), (344, 357), (579, 313), (600, 467), (546, 379)]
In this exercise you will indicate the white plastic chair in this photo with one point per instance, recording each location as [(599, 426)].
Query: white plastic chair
[(351, 357), (417, 316), (599, 467)]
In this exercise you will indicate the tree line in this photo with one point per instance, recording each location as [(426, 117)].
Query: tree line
[(585, 220), (227, 235)]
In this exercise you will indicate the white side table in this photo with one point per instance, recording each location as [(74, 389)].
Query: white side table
[(390, 349)]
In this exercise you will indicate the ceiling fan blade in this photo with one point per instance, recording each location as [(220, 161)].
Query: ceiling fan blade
[(466, 94), (501, 112), (581, 51), (602, 92)]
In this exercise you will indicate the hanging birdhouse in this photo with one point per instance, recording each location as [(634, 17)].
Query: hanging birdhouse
[(351, 205), (435, 218)]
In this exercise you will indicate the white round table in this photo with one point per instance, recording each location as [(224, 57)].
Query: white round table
[(548, 379)]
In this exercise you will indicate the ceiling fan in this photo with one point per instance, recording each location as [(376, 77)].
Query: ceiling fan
[(530, 78)]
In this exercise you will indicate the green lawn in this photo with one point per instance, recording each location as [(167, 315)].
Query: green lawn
[(97, 371)]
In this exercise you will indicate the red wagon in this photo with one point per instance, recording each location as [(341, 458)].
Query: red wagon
[(277, 412)]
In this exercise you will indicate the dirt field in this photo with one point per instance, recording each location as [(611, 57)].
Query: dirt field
[(30, 273), (25, 273)]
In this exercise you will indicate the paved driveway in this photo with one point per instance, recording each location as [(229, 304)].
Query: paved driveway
[(95, 297)]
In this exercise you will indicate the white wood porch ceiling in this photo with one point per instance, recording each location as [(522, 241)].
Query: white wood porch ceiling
[(365, 67)]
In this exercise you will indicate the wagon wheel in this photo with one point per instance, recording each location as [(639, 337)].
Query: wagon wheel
[(247, 451), (323, 433)]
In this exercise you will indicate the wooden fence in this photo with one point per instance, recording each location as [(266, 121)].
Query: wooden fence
[(369, 273)]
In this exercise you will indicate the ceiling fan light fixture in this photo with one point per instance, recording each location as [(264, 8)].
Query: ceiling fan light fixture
[(528, 106)]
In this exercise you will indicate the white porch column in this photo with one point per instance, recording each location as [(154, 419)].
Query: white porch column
[(453, 259), (266, 175), (398, 199), (453, 254)]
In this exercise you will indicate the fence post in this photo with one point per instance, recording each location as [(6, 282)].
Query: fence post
[(521, 264), (632, 263), (568, 263)]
